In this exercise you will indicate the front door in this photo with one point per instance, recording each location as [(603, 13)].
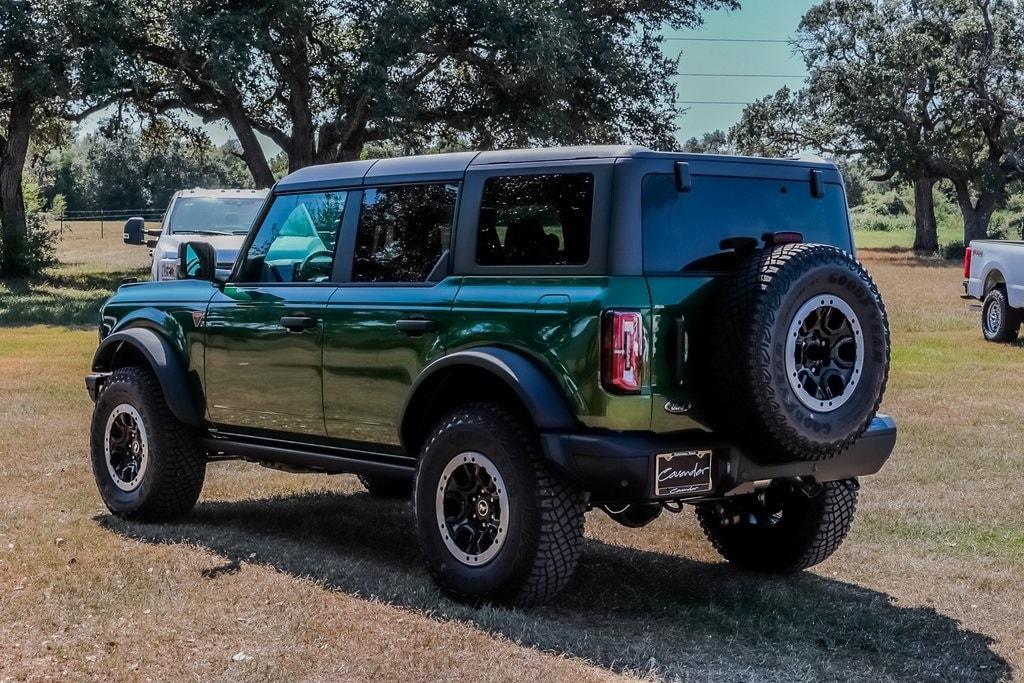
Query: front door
[(265, 330), (390, 318)]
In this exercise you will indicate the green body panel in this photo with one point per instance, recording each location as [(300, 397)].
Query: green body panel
[(165, 307), (682, 306), (369, 364), (349, 377), (259, 374), (557, 322)]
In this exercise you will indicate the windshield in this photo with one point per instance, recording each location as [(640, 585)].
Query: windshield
[(213, 215)]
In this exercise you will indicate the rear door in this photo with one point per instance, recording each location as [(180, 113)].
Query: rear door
[(264, 331), (682, 257), (390, 315)]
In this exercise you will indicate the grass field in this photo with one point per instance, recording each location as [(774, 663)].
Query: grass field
[(283, 577)]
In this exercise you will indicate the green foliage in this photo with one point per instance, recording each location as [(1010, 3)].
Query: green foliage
[(873, 222), (134, 171), (715, 142), (325, 78), (40, 240), (911, 89), (953, 251), (58, 205), (56, 65)]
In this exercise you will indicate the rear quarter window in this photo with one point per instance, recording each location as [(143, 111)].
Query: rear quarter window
[(681, 228)]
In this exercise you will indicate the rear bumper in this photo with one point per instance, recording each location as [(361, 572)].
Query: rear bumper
[(619, 466), (972, 302)]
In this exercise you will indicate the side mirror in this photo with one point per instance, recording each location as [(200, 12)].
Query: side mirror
[(134, 230), (197, 261)]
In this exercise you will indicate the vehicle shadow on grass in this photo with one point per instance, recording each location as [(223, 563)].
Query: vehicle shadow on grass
[(628, 610), (59, 298)]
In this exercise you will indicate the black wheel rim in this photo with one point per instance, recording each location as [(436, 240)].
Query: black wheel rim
[(126, 447), (472, 508), (824, 353)]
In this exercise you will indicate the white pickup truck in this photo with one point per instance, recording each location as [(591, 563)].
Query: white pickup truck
[(219, 217), (994, 276)]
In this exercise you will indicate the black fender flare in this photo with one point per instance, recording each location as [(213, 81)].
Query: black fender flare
[(544, 401), (166, 363)]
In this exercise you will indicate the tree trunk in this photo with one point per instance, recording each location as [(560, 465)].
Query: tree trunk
[(926, 233), (977, 214), (14, 257), (252, 151)]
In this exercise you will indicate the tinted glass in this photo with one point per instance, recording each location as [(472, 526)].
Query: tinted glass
[(227, 215), (403, 231), (535, 220), (295, 242), (681, 228)]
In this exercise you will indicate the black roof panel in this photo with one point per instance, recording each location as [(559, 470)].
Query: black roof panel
[(452, 166)]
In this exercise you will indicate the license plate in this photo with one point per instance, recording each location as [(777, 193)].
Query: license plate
[(682, 473)]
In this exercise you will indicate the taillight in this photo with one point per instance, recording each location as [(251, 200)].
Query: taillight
[(968, 252), (623, 342)]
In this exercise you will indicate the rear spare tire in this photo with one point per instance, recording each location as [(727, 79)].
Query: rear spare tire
[(801, 352)]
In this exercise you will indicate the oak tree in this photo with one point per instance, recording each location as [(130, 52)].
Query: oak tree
[(325, 78)]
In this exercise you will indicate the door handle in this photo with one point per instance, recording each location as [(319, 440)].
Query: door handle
[(299, 322), (414, 327)]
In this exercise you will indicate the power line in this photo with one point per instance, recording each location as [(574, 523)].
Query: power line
[(729, 40), (745, 75), (711, 102)]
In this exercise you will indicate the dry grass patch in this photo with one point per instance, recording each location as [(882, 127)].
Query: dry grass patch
[(311, 579)]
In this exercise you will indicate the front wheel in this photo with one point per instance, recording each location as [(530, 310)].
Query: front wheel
[(782, 529), (494, 522), (999, 321), (148, 466)]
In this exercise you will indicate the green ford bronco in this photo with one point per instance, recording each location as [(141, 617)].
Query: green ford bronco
[(515, 338)]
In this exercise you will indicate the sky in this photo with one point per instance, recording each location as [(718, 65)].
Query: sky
[(758, 20)]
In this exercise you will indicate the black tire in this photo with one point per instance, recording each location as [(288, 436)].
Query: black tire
[(756, 402), (386, 487), (999, 321), (808, 531), (169, 486), (544, 517)]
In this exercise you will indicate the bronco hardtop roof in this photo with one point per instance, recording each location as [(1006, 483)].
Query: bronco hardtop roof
[(453, 165)]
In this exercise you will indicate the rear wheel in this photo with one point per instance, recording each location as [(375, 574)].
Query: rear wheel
[(999, 321), (494, 522), (783, 529), (148, 465)]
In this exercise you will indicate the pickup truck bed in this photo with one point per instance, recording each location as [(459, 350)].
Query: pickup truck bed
[(994, 277)]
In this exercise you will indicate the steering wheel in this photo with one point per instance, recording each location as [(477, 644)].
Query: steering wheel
[(300, 272)]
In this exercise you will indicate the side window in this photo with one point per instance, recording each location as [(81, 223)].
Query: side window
[(295, 242), (541, 220), (403, 232)]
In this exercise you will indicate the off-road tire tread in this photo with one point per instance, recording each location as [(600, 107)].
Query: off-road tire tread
[(181, 461), (750, 400), (831, 521), (562, 509), (1011, 317)]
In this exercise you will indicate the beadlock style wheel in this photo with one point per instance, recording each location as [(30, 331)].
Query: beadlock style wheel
[(472, 508), (126, 447), (824, 353)]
